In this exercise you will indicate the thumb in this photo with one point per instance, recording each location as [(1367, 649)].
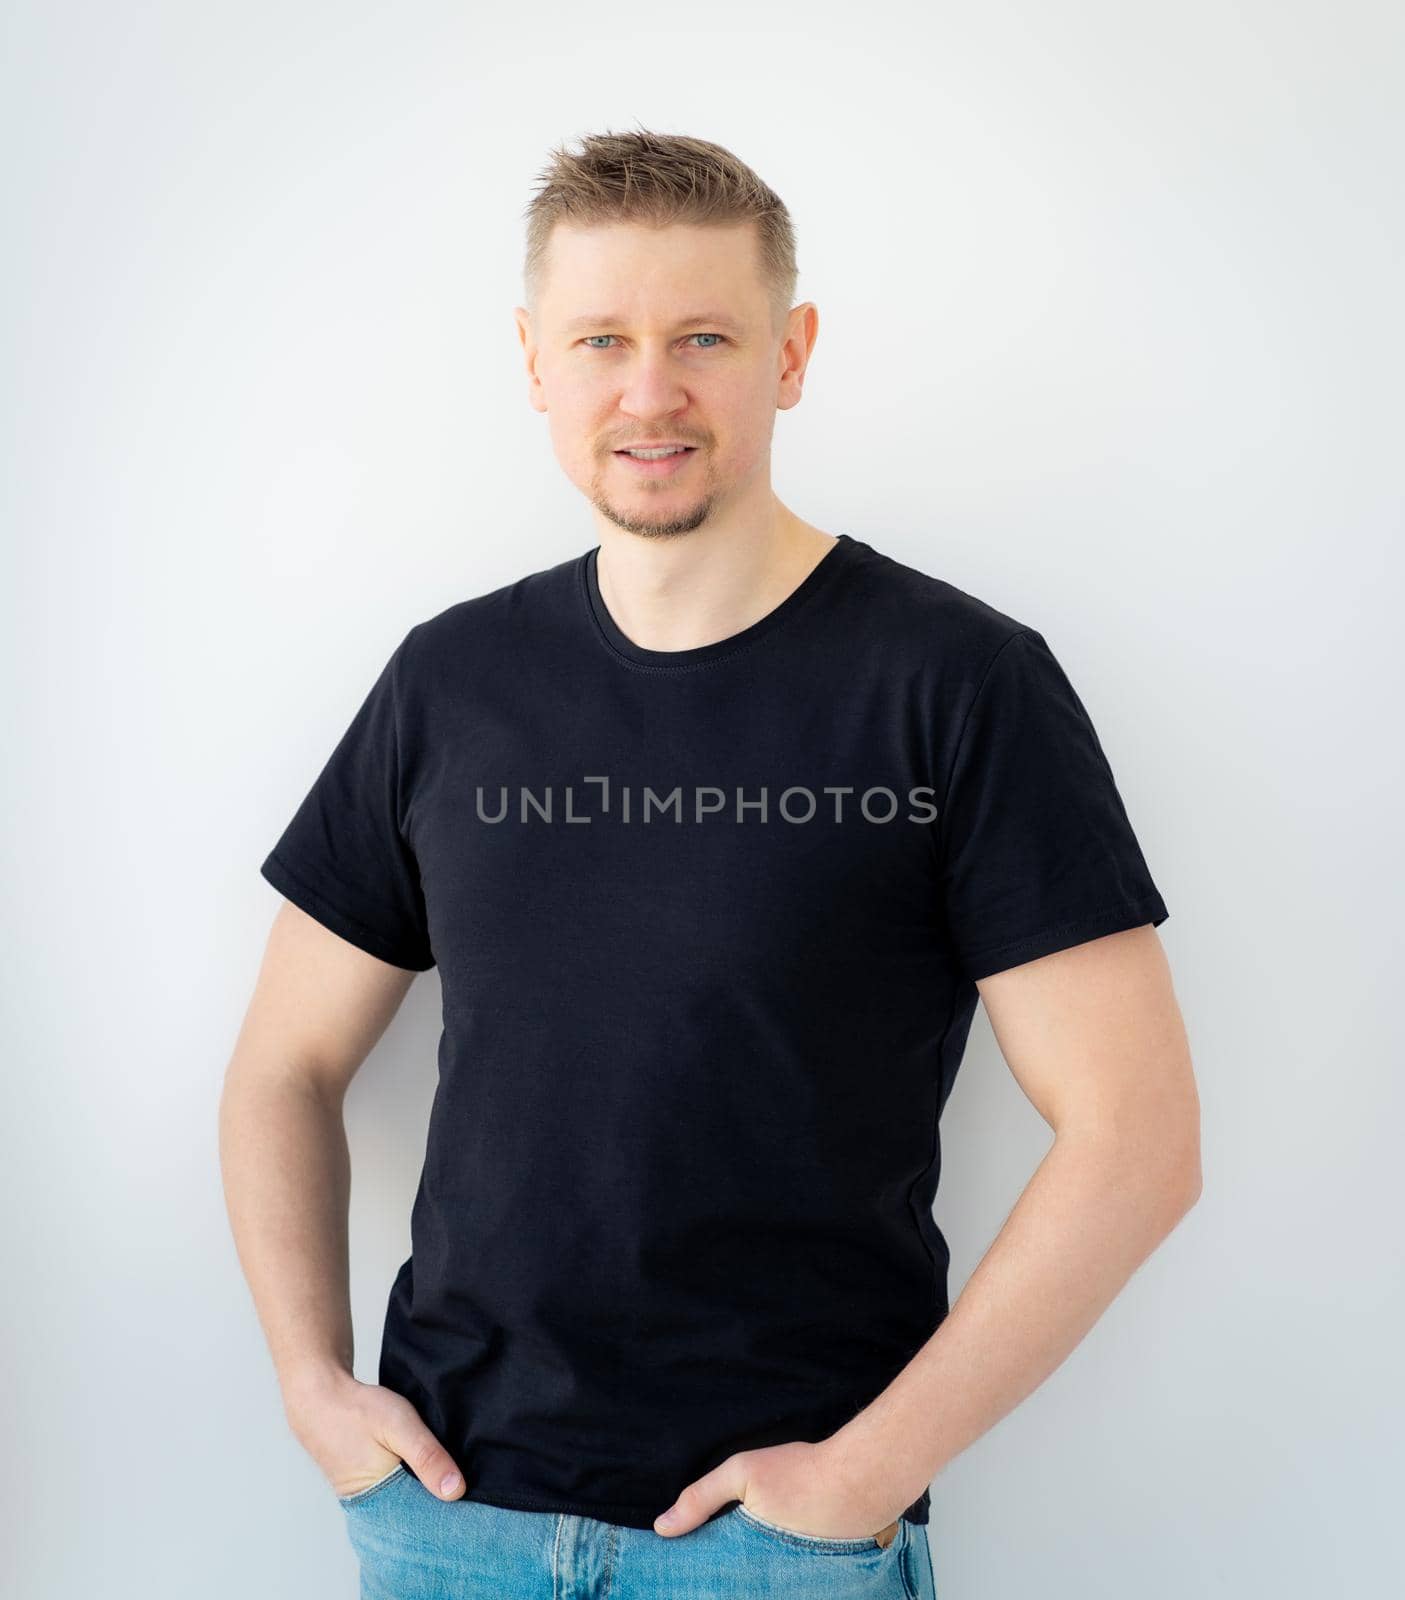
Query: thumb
[(702, 1497), (431, 1463)]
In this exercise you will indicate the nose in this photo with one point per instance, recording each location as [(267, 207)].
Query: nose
[(653, 387)]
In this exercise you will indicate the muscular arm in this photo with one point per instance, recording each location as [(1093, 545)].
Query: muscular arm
[(318, 1008), (1095, 1039)]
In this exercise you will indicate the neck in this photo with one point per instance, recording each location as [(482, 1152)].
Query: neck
[(690, 590)]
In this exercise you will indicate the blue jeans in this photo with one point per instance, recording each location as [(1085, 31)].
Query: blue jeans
[(414, 1546)]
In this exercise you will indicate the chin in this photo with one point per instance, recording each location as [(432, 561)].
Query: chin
[(659, 524)]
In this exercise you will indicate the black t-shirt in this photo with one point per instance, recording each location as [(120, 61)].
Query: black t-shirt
[(707, 925)]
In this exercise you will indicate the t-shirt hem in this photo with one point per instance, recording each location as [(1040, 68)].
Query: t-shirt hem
[(629, 1516), (308, 899), (625, 1516), (1094, 925)]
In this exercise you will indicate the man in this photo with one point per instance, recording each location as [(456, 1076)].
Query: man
[(716, 834)]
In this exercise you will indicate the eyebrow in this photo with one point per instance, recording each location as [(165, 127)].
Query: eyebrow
[(713, 318)]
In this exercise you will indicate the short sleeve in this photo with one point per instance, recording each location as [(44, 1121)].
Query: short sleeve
[(1037, 850), (344, 857)]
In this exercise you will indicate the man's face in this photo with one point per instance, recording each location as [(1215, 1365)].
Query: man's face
[(663, 335)]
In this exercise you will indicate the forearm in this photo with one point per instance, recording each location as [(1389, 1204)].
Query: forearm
[(1087, 1219), (287, 1180)]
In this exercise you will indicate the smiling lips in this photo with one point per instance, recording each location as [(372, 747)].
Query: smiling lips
[(657, 466)]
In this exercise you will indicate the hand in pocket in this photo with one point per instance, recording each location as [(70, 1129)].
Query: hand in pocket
[(358, 1433)]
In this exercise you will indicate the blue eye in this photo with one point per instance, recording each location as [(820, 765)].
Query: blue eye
[(589, 337)]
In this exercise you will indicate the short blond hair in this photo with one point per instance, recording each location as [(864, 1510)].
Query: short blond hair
[(658, 179)]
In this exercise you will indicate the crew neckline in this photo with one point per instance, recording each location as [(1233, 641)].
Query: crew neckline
[(700, 655)]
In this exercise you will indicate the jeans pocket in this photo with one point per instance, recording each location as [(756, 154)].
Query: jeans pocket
[(814, 1541), (361, 1495)]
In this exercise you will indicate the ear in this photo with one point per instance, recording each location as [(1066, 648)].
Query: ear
[(523, 318), (801, 330)]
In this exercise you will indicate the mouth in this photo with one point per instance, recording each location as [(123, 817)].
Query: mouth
[(659, 466)]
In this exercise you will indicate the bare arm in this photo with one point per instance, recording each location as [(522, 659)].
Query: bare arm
[(318, 1008), (1094, 1037)]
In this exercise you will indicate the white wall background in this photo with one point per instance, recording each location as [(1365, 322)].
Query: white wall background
[(1110, 336)]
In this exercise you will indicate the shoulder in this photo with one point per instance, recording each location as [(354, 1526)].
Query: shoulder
[(482, 626), (933, 618)]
